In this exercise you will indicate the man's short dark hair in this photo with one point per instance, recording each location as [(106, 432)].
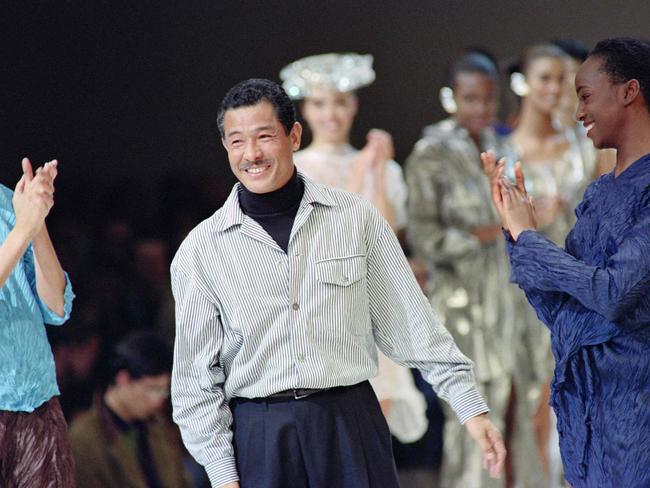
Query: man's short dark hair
[(140, 353), (624, 59), (473, 61), (251, 92)]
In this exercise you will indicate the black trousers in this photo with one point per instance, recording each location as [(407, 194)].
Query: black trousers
[(333, 439)]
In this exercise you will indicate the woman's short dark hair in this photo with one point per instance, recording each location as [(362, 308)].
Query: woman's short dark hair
[(624, 59), (474, 61), (572, 48), (250, 92)]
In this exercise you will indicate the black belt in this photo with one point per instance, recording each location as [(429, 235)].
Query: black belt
[(296, 393)]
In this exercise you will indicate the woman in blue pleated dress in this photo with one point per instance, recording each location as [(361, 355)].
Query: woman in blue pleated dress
[(594, 295)]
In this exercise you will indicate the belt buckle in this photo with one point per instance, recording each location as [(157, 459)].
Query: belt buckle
[(297, 396)]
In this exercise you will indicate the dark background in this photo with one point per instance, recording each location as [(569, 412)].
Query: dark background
[(124, 93)]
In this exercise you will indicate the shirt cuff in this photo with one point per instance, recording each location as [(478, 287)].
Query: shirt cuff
[(50, 317), (526, 235), (222, 471), (468, 405), (525, 249)]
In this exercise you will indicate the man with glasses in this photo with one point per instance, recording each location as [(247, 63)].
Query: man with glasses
[(124, 440)]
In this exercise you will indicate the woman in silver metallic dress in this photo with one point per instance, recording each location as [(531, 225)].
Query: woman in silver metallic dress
[(453, 228)]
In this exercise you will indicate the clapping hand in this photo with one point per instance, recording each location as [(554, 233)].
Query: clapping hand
[(372, 159), (517, 205), (382, 143), (511, 200), (34, 197), (494, 171)]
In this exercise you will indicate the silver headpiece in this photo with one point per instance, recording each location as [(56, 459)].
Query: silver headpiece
[(342, 72)]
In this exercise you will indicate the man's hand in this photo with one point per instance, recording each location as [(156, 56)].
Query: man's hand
[(490, 441), (34, 197)]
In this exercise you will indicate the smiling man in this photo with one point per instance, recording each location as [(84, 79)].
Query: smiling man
[(281, 299), (595, 295)]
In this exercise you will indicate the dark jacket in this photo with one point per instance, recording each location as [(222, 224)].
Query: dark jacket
[(104, 458)]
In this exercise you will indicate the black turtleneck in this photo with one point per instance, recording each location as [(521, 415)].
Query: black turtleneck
[(274, 211)]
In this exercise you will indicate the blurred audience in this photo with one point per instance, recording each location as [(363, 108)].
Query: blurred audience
[(125, 439)]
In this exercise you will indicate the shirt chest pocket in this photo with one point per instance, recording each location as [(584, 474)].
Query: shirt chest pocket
[(341, 271), (341, 296)]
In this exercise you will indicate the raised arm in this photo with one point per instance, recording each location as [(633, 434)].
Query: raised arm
[(617, 290), (50, 278), (32, 200)]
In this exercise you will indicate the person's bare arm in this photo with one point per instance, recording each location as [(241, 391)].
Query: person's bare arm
[(33, 198), (11, 250), (50, 278)]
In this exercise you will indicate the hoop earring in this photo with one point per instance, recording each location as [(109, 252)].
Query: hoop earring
[(447, 100), (518, 84)]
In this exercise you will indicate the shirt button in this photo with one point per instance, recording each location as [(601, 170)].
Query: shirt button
[(345, 279), (295, 306), (297, 254), (301, 358)]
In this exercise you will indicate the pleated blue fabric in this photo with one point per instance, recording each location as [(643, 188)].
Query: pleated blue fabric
[(594, 297), (27, 375)]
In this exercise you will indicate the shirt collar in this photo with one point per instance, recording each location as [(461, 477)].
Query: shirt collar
[(231, 213)]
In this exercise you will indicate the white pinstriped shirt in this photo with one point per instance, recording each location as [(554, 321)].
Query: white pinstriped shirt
[(252, 320)]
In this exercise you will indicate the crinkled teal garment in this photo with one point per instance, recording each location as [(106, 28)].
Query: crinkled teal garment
[(595, 298), (27, 375)]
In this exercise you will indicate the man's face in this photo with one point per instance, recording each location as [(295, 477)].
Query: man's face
[(145, 396), (600, 108), (259, 150)]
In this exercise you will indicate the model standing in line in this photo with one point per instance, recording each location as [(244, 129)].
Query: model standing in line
[(454, 228)]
